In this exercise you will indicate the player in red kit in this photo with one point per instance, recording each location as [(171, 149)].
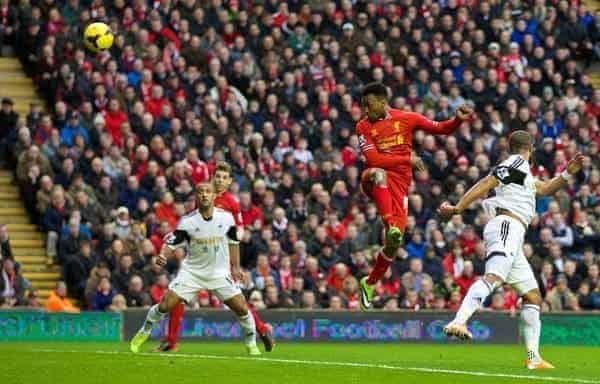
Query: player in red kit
[(224, 200), (385, 136)]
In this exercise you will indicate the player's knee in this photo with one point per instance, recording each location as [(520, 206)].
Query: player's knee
[(494, 280), (238, 305), (378, 176), (168, 302), (533, 297)]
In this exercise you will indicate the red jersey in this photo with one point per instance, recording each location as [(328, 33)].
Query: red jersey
[(387, 143), (227, 202)]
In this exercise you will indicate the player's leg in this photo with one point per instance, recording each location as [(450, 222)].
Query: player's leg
[(175, 320), (374, 183), (264, 330), (523, 280), (500, 257), (155, 313), (472, 301), (532, 328), (232, 296)]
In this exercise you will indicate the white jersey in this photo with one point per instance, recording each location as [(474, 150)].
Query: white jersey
[(516, 192), (208, 241)]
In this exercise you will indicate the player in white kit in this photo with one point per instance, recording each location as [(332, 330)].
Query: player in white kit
[(512, 209), (211, 236)]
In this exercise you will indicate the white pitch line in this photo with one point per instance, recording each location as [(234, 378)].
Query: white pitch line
[(332, 363)]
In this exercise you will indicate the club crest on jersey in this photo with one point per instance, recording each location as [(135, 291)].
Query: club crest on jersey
[(502, 173)]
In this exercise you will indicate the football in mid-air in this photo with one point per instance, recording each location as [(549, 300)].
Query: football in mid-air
[(98, 37)]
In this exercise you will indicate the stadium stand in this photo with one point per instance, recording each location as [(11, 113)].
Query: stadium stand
[(272, 87)]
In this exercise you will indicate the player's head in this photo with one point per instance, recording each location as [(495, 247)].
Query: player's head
[(205, 195), (374, 101), (222, 178), (521, 142)]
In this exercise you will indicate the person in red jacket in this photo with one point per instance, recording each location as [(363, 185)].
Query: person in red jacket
[(198, 168), (113, 118), (385, 137), (250, 212), (466, 278), (225, 200), (154, 105)]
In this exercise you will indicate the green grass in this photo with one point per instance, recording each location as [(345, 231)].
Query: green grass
[(290, 363)]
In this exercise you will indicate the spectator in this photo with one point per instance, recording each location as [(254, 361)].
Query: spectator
[(77, 270), (560, 298), (58, 301), (135, 294), (123, 274), (5, 243), (122, 223), (467, 278), (70, 244), (104, 295), (97, 273), (12, 284), (159, 288), (118, 304)]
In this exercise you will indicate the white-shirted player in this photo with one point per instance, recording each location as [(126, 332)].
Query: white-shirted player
[(211, 236), (512, 210)]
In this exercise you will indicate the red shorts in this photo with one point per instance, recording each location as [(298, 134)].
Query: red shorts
[(399, 194)]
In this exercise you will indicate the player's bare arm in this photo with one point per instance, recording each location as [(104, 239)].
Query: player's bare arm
[(478, 191), (164, 255), (550, 187), (236, 269)]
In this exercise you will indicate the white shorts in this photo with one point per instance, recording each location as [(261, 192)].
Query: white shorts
[(504, 237), (187, 286)]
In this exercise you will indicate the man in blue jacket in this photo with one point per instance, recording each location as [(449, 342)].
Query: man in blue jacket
[(72, 129)]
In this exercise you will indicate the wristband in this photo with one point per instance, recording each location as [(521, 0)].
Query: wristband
[(566, 175)]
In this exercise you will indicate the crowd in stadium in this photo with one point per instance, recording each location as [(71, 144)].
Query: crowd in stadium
[(273, 88)]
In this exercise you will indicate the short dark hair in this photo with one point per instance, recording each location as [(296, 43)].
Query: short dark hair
[(519, 141), (376, 89), (223, 166)]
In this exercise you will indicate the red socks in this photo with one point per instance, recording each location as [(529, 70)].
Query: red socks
[(261, 327), (175, 320), (382, 263), (383, 200)]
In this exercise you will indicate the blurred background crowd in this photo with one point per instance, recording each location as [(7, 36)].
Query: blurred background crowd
[(273, 88)]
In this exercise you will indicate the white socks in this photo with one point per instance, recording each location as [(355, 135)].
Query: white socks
[(248, 329), (473, 300), (532, 326), (152, 317)]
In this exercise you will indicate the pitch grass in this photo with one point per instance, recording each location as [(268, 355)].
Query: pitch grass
[(302, 363)]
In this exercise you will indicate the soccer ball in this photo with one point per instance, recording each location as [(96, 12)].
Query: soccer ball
[(98, 37)]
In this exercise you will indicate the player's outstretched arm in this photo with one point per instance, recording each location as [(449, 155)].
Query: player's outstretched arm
[(463, 113), (478, 191), (550, 187)]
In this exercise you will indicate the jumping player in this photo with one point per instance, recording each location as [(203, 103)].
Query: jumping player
[(512, 210), (385, 137), (213, 262), (224, 200)]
